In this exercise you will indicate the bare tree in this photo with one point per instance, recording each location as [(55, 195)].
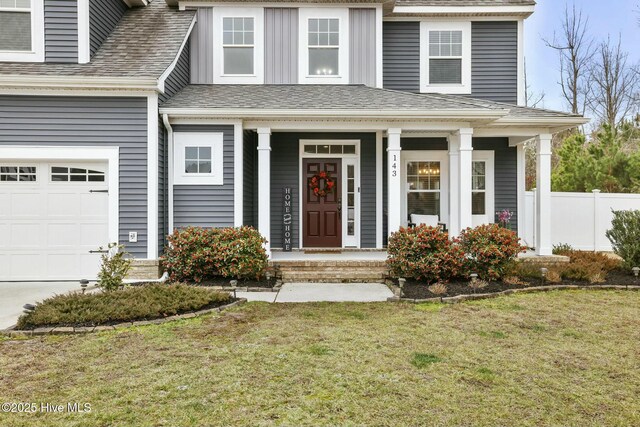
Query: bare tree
[(613, 84), (575, 49), (532, 99)]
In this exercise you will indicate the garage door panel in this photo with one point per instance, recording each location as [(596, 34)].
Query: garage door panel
[(5, 209), (61, 235), (61, 265), (93, 235), (26, 235), (26, 205), (63, 205), (23, 264), (94, 205), (4, 235)]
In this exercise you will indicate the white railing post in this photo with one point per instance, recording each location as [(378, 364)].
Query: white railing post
[(596, 220)]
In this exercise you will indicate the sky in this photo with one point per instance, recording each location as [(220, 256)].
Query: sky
[(614, 17)]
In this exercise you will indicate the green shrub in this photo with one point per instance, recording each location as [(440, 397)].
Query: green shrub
[(625, 236), (196, 254), (129, 304), (490, 250), (561, 248), (424, 253), (114, 268)]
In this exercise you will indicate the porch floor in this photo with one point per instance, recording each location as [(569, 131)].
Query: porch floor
[(343, 255)]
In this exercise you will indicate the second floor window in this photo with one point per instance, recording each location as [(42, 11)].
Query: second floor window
[(445, 57), (238, 45), (15, 25), (324, 46)]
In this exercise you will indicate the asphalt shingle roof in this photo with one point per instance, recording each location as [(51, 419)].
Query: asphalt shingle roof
[(335, 97), (143, 45)]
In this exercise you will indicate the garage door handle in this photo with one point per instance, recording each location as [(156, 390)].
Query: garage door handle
[(98, 191), (98, 252)]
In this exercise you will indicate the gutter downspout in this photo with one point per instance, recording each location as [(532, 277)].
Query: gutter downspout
[(167, 125)]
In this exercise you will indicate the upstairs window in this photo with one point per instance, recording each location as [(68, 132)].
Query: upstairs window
[(445, 57), (324, 47), (15, 26), (238, 45)]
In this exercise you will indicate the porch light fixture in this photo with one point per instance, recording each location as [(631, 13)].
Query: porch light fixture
[(636, 271)]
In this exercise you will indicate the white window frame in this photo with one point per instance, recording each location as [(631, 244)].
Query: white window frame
[(425, 85), (213, 140), (347, 159), (342, 15), (37, 37), (487, 156), (219, 13), (426, 156)]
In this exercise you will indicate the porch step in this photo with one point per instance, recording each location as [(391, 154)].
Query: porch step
[(331, 271)]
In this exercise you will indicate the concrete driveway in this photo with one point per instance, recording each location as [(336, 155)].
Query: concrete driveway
[(14, 295)]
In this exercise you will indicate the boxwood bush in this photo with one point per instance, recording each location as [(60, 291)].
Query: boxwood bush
[(134, 303), (424, 253), (197, 254)]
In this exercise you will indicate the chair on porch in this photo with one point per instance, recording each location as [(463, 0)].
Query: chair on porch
[(428, 220)]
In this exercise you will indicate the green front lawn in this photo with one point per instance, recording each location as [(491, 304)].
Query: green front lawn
[(560, 358)]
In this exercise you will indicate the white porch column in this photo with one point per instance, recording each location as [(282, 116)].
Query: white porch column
[(394, 181), (466, 158), (264, 185), (454, 185), (543, 195), (521, 164)]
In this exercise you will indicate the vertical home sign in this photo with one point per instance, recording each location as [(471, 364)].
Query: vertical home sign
[(287, 217)]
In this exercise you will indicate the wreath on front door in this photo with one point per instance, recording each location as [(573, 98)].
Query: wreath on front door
[(329, 184)]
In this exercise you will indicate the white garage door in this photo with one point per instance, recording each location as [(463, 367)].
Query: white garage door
[(51, 215)]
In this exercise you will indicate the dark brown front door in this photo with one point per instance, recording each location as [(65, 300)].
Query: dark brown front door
[(321, 214)]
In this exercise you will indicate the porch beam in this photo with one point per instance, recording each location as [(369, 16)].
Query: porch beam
[(466, 158), (394, 181), (543, 195), (264, 186)]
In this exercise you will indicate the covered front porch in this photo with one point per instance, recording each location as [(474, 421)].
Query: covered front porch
[(342, 167)]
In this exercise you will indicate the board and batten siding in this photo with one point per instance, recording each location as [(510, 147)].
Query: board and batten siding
[(285, 172), (207, 205), (89, 122), (401, 56), (281, 46), (494, 61), (104, 15), (362, 46), (61, 31), (201, 42), (506, 171)]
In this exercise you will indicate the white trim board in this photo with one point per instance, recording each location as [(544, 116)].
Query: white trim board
[(84, 45), (302, 155), (152, 177), (110, 154)]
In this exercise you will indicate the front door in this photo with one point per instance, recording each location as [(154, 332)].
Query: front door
[(322, 220)]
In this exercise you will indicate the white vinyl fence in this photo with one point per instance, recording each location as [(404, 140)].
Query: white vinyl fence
[(579, 219)]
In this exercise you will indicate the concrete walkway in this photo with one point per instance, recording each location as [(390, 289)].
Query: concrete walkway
[(14, 295), (318, 292)]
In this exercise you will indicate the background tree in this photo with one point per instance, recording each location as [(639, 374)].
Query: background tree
[(575, 50), (613, 84)]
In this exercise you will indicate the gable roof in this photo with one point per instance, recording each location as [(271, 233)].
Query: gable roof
[(350, 101), (143, 45)]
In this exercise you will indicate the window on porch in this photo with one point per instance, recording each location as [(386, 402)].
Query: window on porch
[(423, 188)]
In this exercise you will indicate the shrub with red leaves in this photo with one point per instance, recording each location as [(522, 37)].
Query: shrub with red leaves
[(195, 254), (490, 250), (424, 253)]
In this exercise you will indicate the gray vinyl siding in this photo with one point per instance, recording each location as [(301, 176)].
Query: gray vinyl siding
[(179, 77), (202, 47), (90, 122), (494, 69), (61, 31), (163, 181), (362, 41), (104, 15), (506, 175), (281, 46), (506, 171), (206, 205), (285, 172), (401, 56), (250, 179)]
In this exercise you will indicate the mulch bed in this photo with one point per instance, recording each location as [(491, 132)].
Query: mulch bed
[(419, 290)]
